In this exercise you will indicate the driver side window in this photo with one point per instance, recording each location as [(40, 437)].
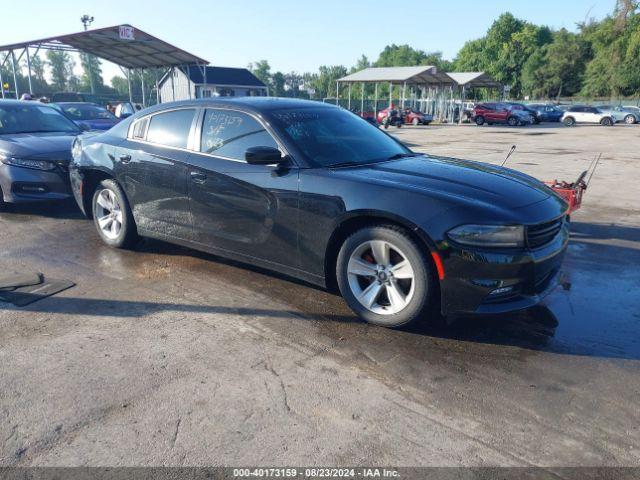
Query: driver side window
[(228, 133)]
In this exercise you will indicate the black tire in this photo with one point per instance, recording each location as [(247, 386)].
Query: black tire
[(569, 122), (479, 120), (127, 235), (513, 121), (629, 119), (606, 121), (422, 288)]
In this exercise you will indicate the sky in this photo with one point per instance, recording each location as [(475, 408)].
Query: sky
[(294, 35)]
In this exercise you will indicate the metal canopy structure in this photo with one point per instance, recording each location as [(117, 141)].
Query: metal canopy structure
[(124, 45), (436, 88), (474, 80), (424, 74)]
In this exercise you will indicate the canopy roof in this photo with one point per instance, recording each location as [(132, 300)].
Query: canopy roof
[(474, 79), (420, 75), (123, 45)]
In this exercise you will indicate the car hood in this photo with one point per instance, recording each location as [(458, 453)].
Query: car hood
[(42, 145), (98, 124), (469, 181)]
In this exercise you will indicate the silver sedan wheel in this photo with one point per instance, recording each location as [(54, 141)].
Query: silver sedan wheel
[(381, 277), (109, 214)]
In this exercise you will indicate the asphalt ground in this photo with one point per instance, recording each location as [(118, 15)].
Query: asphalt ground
[(167, 356)]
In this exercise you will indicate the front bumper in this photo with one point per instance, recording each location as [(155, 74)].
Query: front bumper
[(21, 185), (488, 282)]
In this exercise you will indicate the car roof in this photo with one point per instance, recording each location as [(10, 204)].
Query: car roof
[(255, 104), (32, 103), (77, 103)]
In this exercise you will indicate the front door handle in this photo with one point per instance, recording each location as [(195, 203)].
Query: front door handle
[(198, 177), (125, 158)]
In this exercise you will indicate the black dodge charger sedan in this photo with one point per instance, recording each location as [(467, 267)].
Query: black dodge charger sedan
[(35, 150), (312, 191)]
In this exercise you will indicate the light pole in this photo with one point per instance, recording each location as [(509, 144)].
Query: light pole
[(87, 20)]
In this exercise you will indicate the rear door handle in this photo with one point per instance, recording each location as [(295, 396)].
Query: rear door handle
[(198, 177), (125, 158)]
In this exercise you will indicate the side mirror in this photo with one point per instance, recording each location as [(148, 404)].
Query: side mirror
[(263, 156), (84, 127)]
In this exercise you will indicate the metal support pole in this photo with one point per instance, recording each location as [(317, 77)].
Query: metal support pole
[(15, 77), (173, 85), (404, 93), (337, 93), (462, 94), (29, 70), (1, 79), (129, 84), (187, 73), (362, 100), (375, 101), (157, 87), (390, 94), (349, 100), (144, 97)]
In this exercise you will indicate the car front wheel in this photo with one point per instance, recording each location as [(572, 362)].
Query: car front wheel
[(513, 121), (479, 120), (112, 216), (607, 122), (385, 277), (569, 122)]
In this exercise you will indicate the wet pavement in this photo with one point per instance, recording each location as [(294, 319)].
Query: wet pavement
[(167, 356)]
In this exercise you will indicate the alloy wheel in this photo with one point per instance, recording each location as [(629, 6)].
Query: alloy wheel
[(629, 119), (381, 277), (109, 214)]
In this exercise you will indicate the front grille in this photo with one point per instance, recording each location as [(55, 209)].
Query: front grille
[(543, 233)]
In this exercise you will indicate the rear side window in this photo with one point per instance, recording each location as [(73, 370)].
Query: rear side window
[(139, 128), (171, 128), (229, 134)]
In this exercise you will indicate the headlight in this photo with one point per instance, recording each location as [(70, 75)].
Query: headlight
[(76, 149), (26, 163), (488, 235)]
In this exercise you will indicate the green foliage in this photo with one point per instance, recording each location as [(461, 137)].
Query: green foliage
[(91, 79), (61, 65), (405, 56)]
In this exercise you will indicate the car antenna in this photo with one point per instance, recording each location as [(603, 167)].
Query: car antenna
[(513, 149)]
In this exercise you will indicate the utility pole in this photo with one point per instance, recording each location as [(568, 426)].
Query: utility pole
[(87, 20)]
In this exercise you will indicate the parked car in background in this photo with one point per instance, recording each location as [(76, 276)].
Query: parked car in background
[(621, 114), (126, 109), (409, 116), (72, 97), (90, 114), (546, 113), (491, 113), (528, 110), (35, 149), (415, 117), (586, 114), (311, 190)]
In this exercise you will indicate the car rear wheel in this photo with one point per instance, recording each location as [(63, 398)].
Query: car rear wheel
[(569, 122), (112, 216), (606, 121), (512, 121), (630, 119), (479, 120), (385, 277)]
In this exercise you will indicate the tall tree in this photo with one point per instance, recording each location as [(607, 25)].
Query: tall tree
[(262, 70), (91, 79), (61, 65)]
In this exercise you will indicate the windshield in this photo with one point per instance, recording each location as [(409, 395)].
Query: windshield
[(87, 112), (25, 118), (331, 136)]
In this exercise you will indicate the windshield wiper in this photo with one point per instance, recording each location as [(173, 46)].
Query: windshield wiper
[(344, 164), (403, 155)]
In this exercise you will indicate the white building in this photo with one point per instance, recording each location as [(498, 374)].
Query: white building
[(202, 82)]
